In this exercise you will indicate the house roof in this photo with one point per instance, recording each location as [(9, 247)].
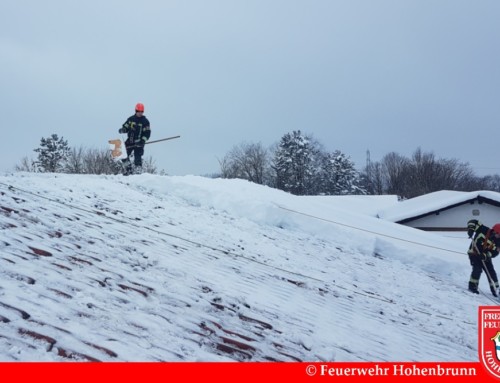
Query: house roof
[(435, 202)]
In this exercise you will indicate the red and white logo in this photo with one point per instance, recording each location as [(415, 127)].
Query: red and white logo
[(489, 338)]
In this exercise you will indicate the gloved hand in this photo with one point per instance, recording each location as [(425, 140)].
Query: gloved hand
[(486, 255), (122, 130)]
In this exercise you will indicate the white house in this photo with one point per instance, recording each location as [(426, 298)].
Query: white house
[(445, 210)]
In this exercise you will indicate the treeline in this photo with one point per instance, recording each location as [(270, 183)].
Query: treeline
[(298, 164), (423, 173), (54, 155)]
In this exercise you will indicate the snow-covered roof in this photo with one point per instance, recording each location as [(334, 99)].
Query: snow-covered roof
[(433, 202), (362, 204), (157, 268)]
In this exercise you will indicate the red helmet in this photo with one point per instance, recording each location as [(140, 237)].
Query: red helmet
[(496, 228), (139, 107)]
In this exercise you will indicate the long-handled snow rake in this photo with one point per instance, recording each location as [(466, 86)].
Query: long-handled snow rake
[(117, 151)]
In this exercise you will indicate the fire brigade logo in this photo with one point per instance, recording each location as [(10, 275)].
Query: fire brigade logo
[(489, 338)]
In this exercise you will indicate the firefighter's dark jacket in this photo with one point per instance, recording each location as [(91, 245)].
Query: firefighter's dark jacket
[(137, 128)]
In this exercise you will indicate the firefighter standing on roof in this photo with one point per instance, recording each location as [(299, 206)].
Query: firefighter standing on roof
[(138, 131), (482, 249)]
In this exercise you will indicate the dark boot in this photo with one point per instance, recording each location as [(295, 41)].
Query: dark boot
[(128, 170), (494, 291), (127, 167), (138, 170), (473, 288), (494, 288)]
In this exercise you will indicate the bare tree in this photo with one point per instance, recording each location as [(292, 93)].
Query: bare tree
[(246, 161), (460, 176), (99, 161), (26, 165), (395, 167), (149, 166), (429, 174), (491, 183), (75, 161), (421, 174), (375, 179)]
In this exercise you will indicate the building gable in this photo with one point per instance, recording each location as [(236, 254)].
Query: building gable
[(446, 211)]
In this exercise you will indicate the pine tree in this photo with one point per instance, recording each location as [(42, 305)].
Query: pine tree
[(294, 163), (52, 154), (338, 175)]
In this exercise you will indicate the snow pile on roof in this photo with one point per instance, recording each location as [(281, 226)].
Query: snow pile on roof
[(363, 204)]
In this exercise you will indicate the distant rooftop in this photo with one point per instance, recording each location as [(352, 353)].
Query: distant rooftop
[(433, 202)]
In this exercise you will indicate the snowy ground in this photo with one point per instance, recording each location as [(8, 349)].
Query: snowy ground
[(157, 268)]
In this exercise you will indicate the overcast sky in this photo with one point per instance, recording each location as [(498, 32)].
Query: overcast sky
[(358, 75)]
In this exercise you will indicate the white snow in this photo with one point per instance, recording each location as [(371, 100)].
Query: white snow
[(148, 268), (431, 202)]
